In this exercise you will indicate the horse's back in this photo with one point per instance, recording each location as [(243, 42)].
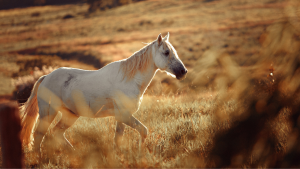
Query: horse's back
[(57, 84), (95, 86), (62, 78)]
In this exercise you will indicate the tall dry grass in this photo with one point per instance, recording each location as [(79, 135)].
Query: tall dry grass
[(222, 115)]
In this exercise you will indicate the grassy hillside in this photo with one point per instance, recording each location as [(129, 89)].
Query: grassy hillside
[(230, 111), (33, 36)]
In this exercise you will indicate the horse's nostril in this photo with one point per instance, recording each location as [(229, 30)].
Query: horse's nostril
[(183, 71)]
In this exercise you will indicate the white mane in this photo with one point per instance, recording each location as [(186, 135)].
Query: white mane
[(139, 61)]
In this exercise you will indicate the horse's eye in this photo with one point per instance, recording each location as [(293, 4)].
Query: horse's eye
[(167, 53)]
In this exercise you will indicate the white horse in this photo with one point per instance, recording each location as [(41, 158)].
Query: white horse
[(114, 90)]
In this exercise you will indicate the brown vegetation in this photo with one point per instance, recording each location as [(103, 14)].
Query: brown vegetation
[(107, 4), (238, 106)]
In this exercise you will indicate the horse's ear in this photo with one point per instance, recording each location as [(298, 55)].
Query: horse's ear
[(166, 38), (159, 39)]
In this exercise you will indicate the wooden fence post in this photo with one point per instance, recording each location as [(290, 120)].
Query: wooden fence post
[(10, 127)]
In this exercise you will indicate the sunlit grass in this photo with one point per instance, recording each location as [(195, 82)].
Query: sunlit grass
[(229, 59), (179, 125)]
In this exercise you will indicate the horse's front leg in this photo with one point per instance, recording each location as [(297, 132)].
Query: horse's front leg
[(119, 133), (131, 121), (141, 128)]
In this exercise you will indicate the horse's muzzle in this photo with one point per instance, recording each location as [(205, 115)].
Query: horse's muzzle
[(181, 73)]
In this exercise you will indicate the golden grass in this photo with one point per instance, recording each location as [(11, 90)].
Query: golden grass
[(175, 130), (193, 127), (228, 112)]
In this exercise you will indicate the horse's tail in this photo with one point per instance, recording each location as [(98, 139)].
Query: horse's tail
[(29, 115)]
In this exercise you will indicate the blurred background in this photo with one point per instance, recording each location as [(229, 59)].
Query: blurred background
[(238, 106)]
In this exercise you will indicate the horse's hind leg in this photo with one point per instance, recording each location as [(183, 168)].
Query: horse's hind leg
[(42, 129), (67, 120)]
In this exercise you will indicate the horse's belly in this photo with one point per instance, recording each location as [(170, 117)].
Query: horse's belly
[(94, 108), (106, 108)]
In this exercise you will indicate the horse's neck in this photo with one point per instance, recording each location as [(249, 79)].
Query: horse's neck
[(143, 79)]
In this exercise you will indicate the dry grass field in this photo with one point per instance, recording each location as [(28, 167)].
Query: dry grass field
[(238, 106)]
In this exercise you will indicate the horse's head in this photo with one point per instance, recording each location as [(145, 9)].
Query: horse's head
[(166, 58)]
